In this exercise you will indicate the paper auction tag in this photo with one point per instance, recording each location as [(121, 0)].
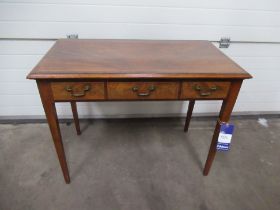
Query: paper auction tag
[(225, 135)]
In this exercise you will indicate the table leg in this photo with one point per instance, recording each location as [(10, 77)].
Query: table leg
[(189, 115), (224, 116), (75, 116), (50, 110)]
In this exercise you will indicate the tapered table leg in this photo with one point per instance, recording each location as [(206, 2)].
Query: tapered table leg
[(75, 116), (224, 116), (189, 115), (50, 110)]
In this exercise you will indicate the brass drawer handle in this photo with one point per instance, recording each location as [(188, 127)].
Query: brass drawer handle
[(150, 89), (79, 94), (205, 92)]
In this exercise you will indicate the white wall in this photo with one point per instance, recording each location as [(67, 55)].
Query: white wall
[(46, 19), (247, 20)]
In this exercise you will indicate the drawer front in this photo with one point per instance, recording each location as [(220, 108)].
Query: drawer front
[(143, 90), (207, 90), (78, 90)]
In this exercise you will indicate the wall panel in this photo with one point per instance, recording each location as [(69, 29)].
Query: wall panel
[(254, 21)]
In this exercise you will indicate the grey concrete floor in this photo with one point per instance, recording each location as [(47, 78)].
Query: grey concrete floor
[(133, 164)]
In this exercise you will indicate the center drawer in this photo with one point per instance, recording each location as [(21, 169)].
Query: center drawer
[(143, 90)]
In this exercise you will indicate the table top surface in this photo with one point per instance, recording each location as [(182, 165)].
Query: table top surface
[(105, 59)]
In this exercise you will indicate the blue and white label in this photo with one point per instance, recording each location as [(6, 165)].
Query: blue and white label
[(224, 138)]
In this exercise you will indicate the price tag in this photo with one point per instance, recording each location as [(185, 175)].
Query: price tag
[(225, 135)]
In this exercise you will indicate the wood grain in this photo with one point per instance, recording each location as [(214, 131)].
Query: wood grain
[(108, 70), (96, 91), (50, 110), (76, 117), (189, 90), (224, 116), (189, 115), (105, 59), (124, 90)]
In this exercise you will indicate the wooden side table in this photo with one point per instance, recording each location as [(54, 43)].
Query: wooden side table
[(135, 70)]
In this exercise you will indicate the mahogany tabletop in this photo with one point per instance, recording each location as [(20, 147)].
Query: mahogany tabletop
[(112, 59)]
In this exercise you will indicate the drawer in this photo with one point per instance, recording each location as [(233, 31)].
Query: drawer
[(143, 90), (78, 90), (207, 90)]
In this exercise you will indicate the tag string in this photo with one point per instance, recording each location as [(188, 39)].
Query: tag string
[(221, 122)]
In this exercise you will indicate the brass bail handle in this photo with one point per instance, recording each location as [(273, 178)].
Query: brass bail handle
[(78, 94), (204, 91), (150, 89)]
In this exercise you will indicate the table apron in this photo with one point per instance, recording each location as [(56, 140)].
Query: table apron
[(144, 90)]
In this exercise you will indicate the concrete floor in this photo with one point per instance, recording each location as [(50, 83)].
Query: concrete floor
[(140, 164)]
